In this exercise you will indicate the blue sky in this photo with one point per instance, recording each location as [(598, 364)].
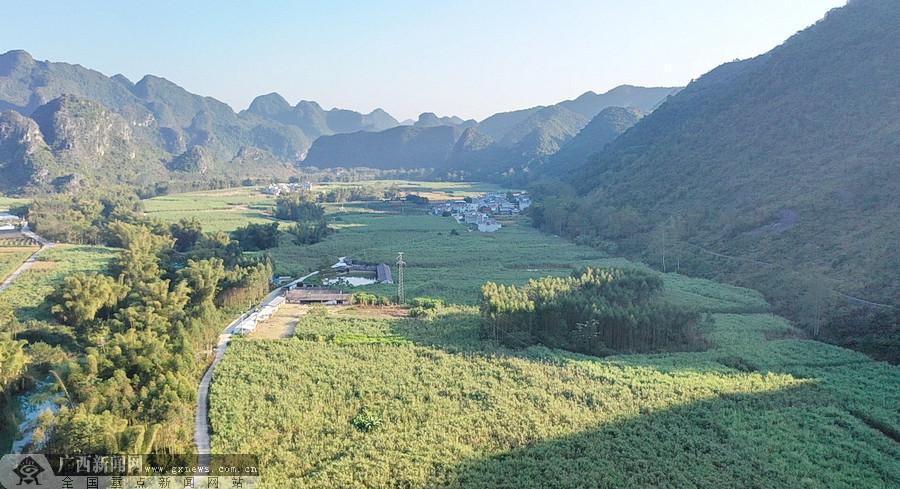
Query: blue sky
[(463, 57)]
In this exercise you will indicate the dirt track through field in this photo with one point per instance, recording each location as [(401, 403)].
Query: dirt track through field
[(30, 261)]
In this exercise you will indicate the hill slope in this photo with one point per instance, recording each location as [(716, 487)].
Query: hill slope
[(146, 127), (785, 165), (401, 147), (603, 129)]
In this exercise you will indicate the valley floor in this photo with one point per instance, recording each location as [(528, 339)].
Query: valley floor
[(356, 401)]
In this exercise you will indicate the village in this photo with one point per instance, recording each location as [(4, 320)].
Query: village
[(480, 210)]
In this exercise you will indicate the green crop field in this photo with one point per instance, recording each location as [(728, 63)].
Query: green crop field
[(7, 202), (452, 409), (457, 190), (28, 292), (218, 210), (439, 262), (10, 260), (231, 208), (403, 402)]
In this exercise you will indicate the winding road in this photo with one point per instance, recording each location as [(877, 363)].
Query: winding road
[(201, 422)]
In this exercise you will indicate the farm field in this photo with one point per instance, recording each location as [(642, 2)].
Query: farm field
[(12, 257), (354, 401), (231, 208), (351, 405), (7, 202), (29, 291), (218, 210)]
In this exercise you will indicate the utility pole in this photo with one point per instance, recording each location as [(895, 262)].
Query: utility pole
[(400, 291)]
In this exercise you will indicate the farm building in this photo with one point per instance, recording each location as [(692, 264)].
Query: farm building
[(317, 295), (247, 325), (383, 273), (261, 315)]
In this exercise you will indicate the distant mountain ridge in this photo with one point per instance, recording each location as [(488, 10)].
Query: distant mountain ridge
[(501, 145), (160, 123), (88, 128), (315, 121)]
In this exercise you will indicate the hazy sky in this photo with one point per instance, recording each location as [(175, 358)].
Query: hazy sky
[(462, 57)]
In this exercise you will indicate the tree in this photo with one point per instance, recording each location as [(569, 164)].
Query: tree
[(202, 278), (218, 245), (298, 206), (306, 234), (12, 359), (186, 233), (81, 296), (256, 237)]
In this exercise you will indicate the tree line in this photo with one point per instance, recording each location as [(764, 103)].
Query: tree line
[(594, 311), (143, 330)]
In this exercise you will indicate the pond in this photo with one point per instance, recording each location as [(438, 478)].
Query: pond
[(354, 281)]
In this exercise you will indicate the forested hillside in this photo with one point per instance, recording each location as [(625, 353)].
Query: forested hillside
[(64, 127), (511, 147), (778, 172)]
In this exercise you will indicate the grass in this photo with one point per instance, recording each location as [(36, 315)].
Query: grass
[(29, 291), (10, 260), (7, 202), (218, 210), (449, 409), (445, 407)]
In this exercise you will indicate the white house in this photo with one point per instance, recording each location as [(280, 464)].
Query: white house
[(489, 226)]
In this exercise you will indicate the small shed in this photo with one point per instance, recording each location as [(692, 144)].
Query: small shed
[(383, 274)]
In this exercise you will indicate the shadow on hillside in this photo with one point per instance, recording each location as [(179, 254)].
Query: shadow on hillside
[(789, 438)]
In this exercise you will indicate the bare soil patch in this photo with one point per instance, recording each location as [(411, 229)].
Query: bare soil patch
[(375, 312), (16, 249), (283, 322), (44, 265)]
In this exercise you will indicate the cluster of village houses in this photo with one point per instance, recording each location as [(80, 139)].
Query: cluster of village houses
[(283, 188), (480, 210)]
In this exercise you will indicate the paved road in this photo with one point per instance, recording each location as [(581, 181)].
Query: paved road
[(30, 261), (201, 422)]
